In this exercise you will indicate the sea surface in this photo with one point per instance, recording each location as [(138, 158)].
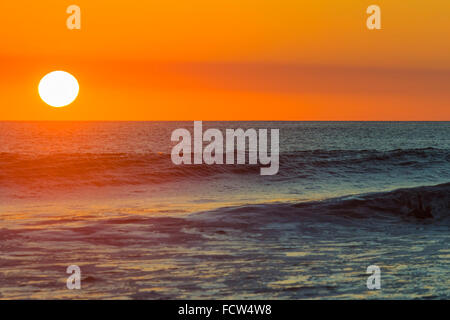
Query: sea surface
[(106, 196)]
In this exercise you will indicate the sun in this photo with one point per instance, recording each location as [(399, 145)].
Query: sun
[(58, 88)]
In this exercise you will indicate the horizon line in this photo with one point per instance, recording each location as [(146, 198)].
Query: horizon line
[(225, 120)]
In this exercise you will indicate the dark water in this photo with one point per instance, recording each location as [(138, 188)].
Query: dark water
[(106, 196)]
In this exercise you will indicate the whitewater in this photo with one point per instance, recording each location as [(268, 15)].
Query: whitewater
[(106, 197)]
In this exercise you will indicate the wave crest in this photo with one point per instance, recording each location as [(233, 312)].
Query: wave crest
[(103, 169), (426, 204)]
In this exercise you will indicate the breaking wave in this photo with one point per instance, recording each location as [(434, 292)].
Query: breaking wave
[(103, 169), (426, 204)]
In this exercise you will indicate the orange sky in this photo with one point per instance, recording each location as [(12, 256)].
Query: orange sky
[(229, 60)]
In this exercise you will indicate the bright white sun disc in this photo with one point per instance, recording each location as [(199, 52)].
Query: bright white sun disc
[(58, 88)]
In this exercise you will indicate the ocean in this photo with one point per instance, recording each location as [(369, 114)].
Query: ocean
[(105, 196)]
